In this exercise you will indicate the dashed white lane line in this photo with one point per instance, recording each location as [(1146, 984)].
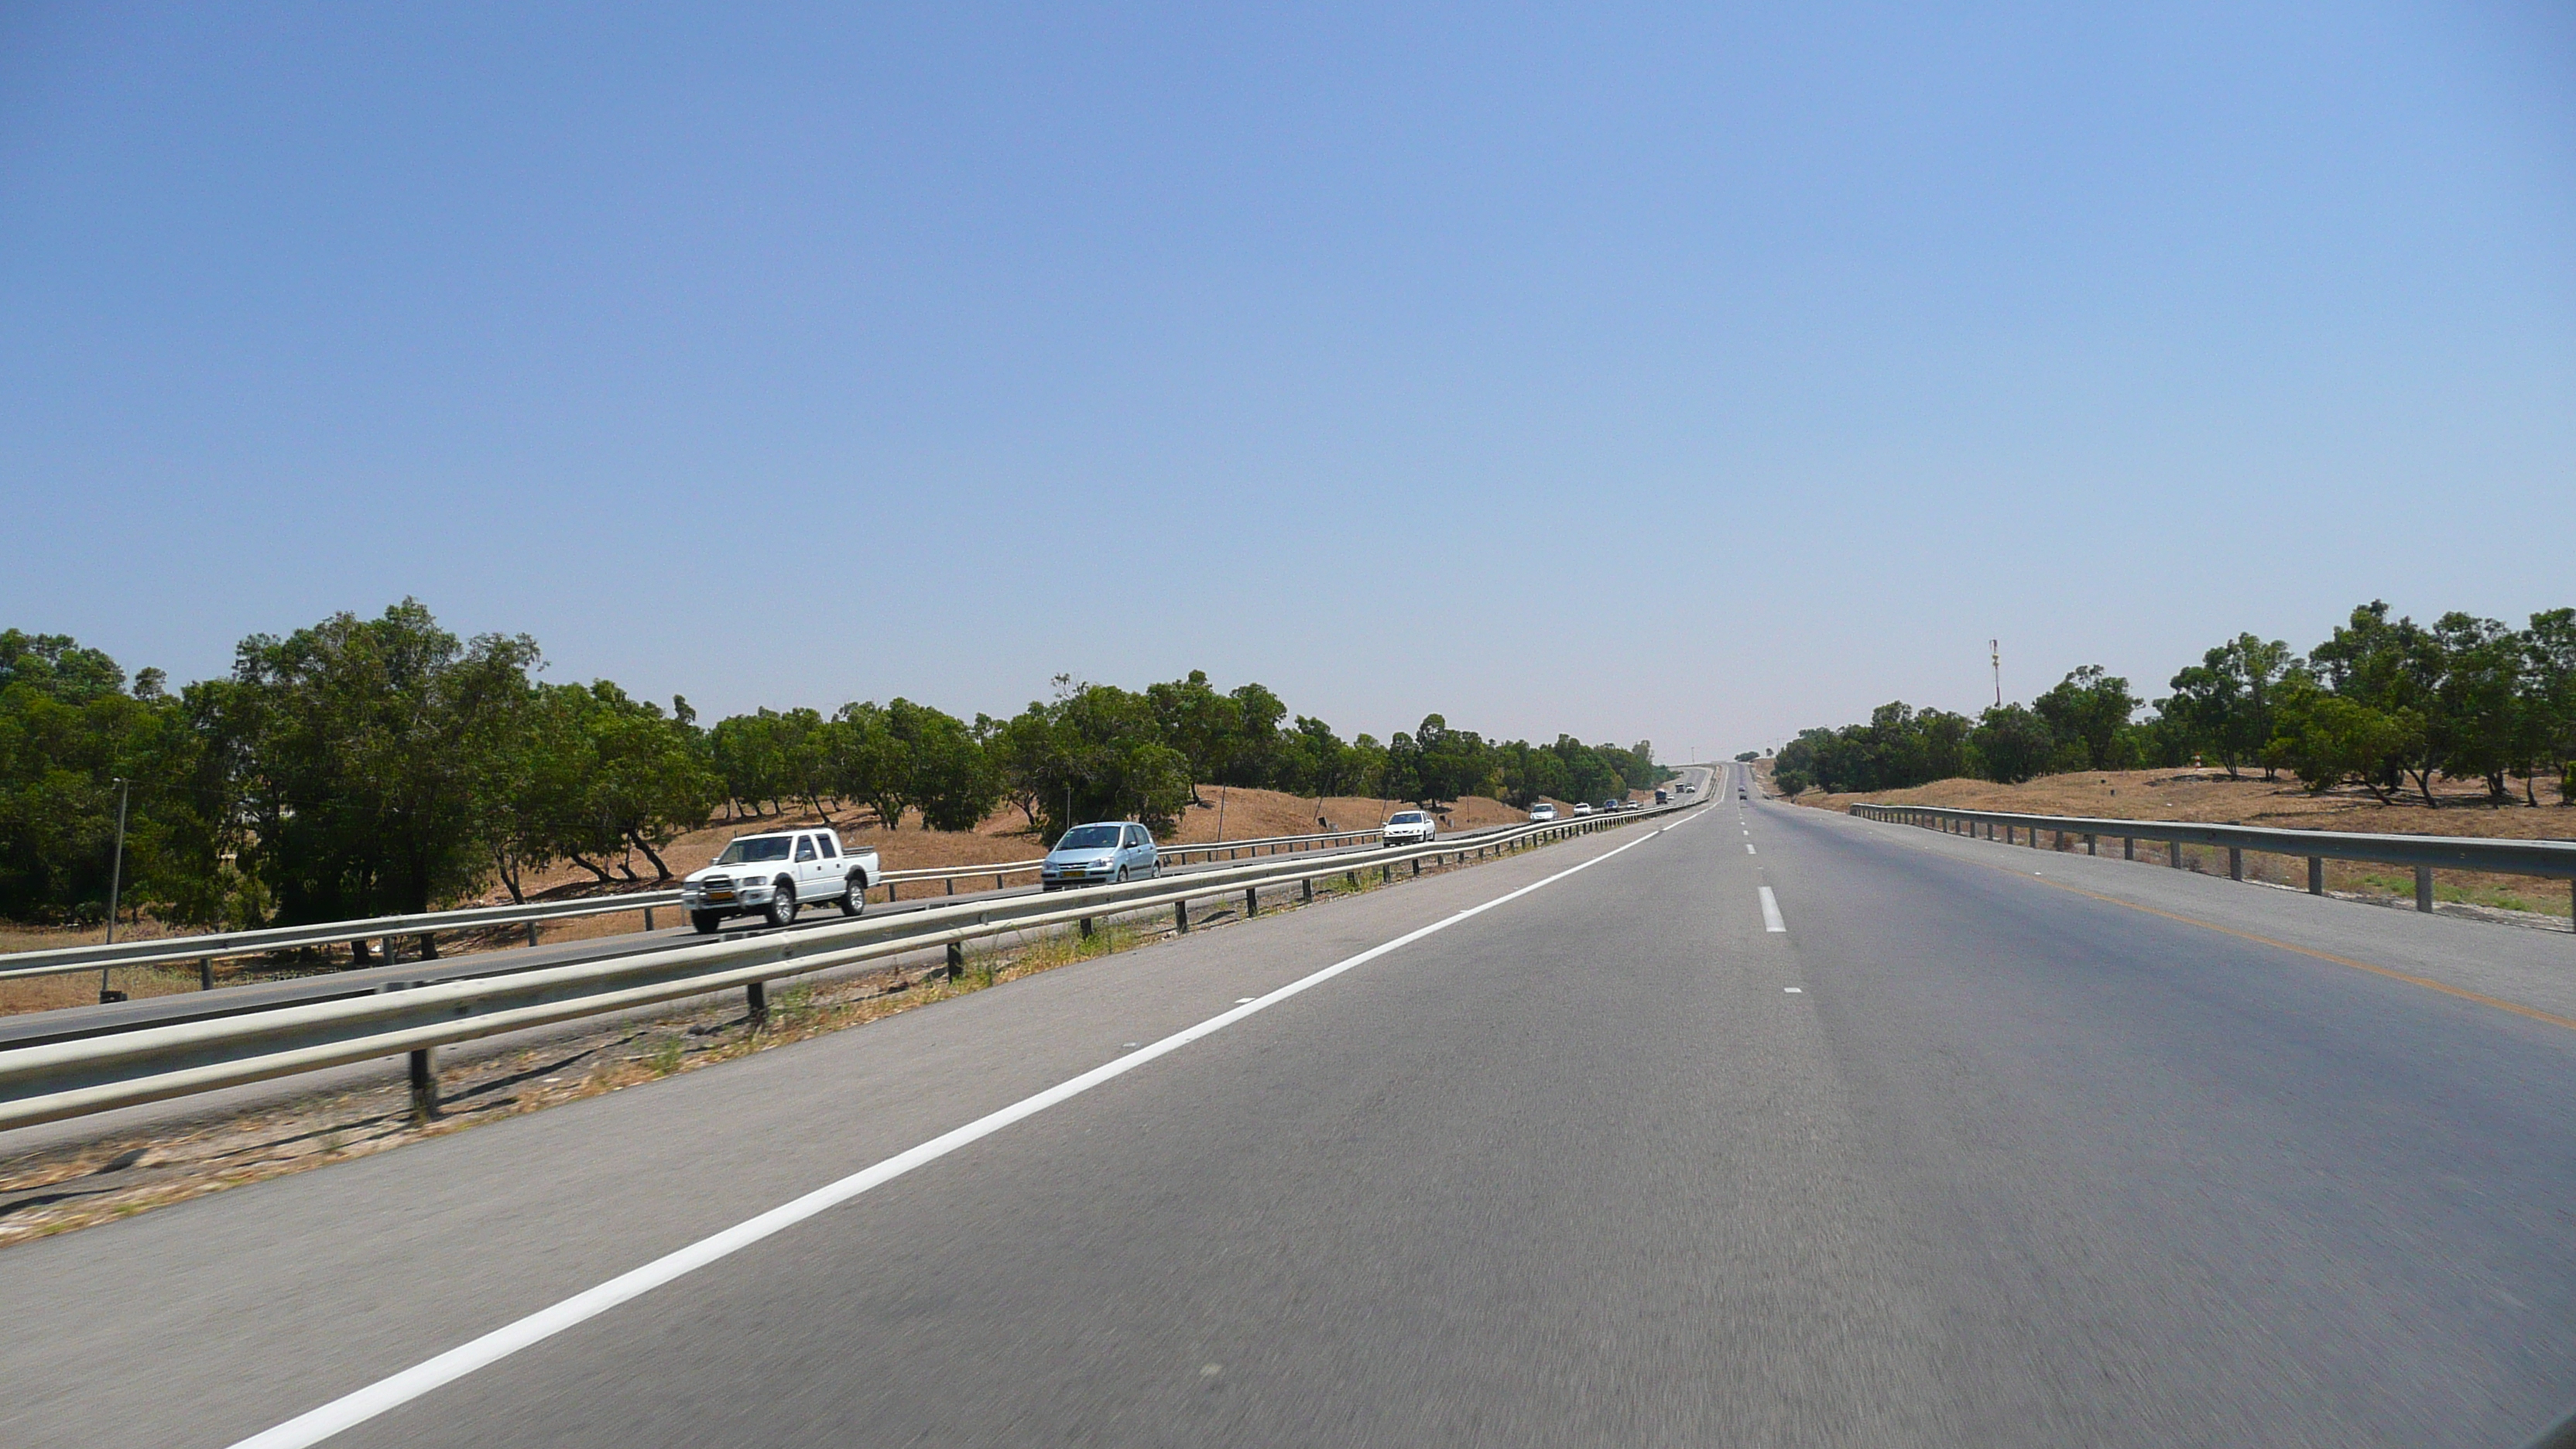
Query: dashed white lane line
[(1749, 850), (1795, 990), (315, 1425), (1771, 912)]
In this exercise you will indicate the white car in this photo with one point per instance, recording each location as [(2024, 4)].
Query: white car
[(1582, 807), (774, 875), (1408, 827), (1541, 814)]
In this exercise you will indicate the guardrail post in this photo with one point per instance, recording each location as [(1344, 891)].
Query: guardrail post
[(1086, 928), (2128, 847), (648, 918), (2091, 846), (205, 973), (1417, 865), (532, 933), (2424, 889), (424, 1087), (1181, 916), (2173, 854), (2235, 863), (952, 885), (1251, 902), (756, 996), (1306, 889), (2316, 875), (889, 892), (997, 882), (956, 960)]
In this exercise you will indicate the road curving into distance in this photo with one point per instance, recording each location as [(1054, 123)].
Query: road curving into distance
[(1850, 1139)]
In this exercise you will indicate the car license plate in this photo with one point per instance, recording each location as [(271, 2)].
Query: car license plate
[(719, 895)]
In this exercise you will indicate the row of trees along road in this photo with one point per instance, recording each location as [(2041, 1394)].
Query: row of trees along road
[(2385, 704), (368, 766)]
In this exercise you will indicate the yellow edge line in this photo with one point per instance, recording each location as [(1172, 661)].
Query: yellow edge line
[(2444, 987)]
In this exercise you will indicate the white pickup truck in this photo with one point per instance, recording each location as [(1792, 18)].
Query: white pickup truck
[(775, 874)]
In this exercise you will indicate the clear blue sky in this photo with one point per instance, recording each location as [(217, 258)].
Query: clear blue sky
[(1691, 373)]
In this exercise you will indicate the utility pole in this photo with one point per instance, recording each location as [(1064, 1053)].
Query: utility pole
[(1995, 650), (115, 880)]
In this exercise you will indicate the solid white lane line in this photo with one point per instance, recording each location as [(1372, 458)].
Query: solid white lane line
[(352, 1409), (1771, 912)]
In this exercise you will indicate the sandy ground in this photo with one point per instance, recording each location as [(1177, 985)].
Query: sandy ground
[(1227, 813), (2209, 795)]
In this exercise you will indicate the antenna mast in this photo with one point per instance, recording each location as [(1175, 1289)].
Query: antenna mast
[(1995, 650)]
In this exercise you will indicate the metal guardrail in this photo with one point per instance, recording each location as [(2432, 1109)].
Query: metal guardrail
[(222, 945), (163, 949), (1171, 853), (2424, 853), (57, 1079)]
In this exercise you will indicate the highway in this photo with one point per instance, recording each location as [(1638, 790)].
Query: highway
[(1754, 1127)]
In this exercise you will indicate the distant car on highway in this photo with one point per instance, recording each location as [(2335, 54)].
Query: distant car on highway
[(1102, 853), (1613, 807), (1408, 827), (775, 874), (1541, 814), (1582, 807)]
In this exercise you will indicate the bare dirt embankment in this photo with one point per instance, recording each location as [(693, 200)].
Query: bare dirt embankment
[(2210, 796), (1225, 813)]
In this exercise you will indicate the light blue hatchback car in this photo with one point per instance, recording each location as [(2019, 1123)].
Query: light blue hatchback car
[(1098, 854)]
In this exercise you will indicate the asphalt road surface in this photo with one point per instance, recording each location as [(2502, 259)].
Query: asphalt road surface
[(1959, 1155)]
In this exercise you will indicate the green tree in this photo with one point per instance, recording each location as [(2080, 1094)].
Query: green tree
[(871, 762), (1203, 725), (1099, 755), (946, 774), (2393, 671), (2477, 699), (2089, 707), (2225, 703), (2548, 731), (69, 729), (352, 745), (2328, 739), (1313, 760), (2013, 743)]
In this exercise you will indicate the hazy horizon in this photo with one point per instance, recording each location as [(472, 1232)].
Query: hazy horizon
[(1643, 374)]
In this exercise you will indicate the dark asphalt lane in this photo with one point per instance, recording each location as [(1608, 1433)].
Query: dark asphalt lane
[(2013, 1166)]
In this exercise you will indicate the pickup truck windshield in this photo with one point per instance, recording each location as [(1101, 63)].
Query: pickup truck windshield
[(1089, 837), (743, 852)]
